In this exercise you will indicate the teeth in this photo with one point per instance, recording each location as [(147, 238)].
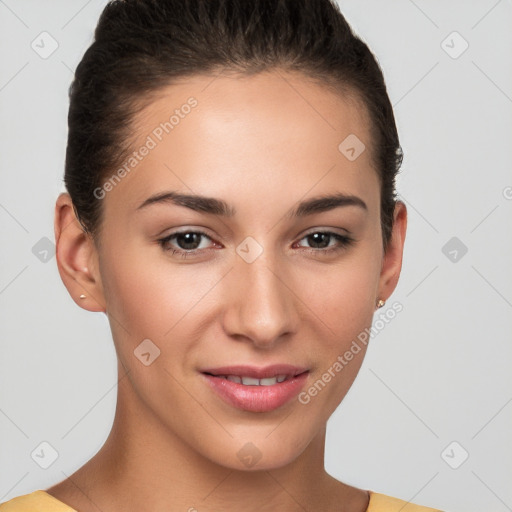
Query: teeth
[(270, 381), (250, 381)]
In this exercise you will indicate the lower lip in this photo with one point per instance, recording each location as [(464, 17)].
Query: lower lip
[(257, 398)]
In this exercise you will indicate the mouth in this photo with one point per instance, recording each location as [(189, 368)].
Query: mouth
[(256, 389), (251, 381), (256, 376)]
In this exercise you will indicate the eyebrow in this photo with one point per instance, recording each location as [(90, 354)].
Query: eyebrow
[(219, 207)]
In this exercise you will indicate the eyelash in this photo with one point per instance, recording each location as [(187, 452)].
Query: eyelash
[(344, 241)]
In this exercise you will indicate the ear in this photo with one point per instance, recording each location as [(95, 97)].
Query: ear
[(77, 257), (392, 258)]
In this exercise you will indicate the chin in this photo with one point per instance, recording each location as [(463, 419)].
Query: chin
[(260, 452)]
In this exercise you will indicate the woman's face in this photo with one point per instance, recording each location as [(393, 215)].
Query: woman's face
[(262, 273)]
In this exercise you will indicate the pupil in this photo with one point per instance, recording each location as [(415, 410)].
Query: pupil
[(317, 239), (187, 239)]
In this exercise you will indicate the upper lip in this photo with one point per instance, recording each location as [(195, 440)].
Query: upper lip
[(257, 372)]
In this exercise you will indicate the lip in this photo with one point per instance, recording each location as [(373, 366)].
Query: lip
[(256, 398)]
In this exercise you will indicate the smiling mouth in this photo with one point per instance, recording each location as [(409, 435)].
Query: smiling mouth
[(252, 381), (257, 389), (249, 375)]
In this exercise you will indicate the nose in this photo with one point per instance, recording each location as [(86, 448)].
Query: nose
[(260, 303)]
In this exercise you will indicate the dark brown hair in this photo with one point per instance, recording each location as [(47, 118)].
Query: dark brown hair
[(141, 46)]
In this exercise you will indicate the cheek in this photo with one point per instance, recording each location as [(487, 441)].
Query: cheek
[(344, 301), (344, 296), (150, 297)]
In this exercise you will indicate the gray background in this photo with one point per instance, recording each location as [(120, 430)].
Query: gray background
[(438, 373)]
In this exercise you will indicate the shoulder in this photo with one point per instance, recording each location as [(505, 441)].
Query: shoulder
[(37, 501), (383, 503)]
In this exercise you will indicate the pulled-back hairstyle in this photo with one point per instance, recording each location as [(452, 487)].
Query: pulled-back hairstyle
[(141, 46)]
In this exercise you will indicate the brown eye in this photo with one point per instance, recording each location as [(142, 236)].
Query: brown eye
[(184, 242), (188, 241), (322, 242)]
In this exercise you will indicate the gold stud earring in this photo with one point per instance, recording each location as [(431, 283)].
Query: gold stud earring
[(380, 303), (82, 296)]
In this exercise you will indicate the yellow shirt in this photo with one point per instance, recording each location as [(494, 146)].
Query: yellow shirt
[(41, 501)]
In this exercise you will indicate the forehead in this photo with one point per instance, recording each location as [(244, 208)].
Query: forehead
[(277, 97), (273, 129)]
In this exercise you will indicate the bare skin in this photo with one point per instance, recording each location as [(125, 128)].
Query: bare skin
[(262, 146)]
